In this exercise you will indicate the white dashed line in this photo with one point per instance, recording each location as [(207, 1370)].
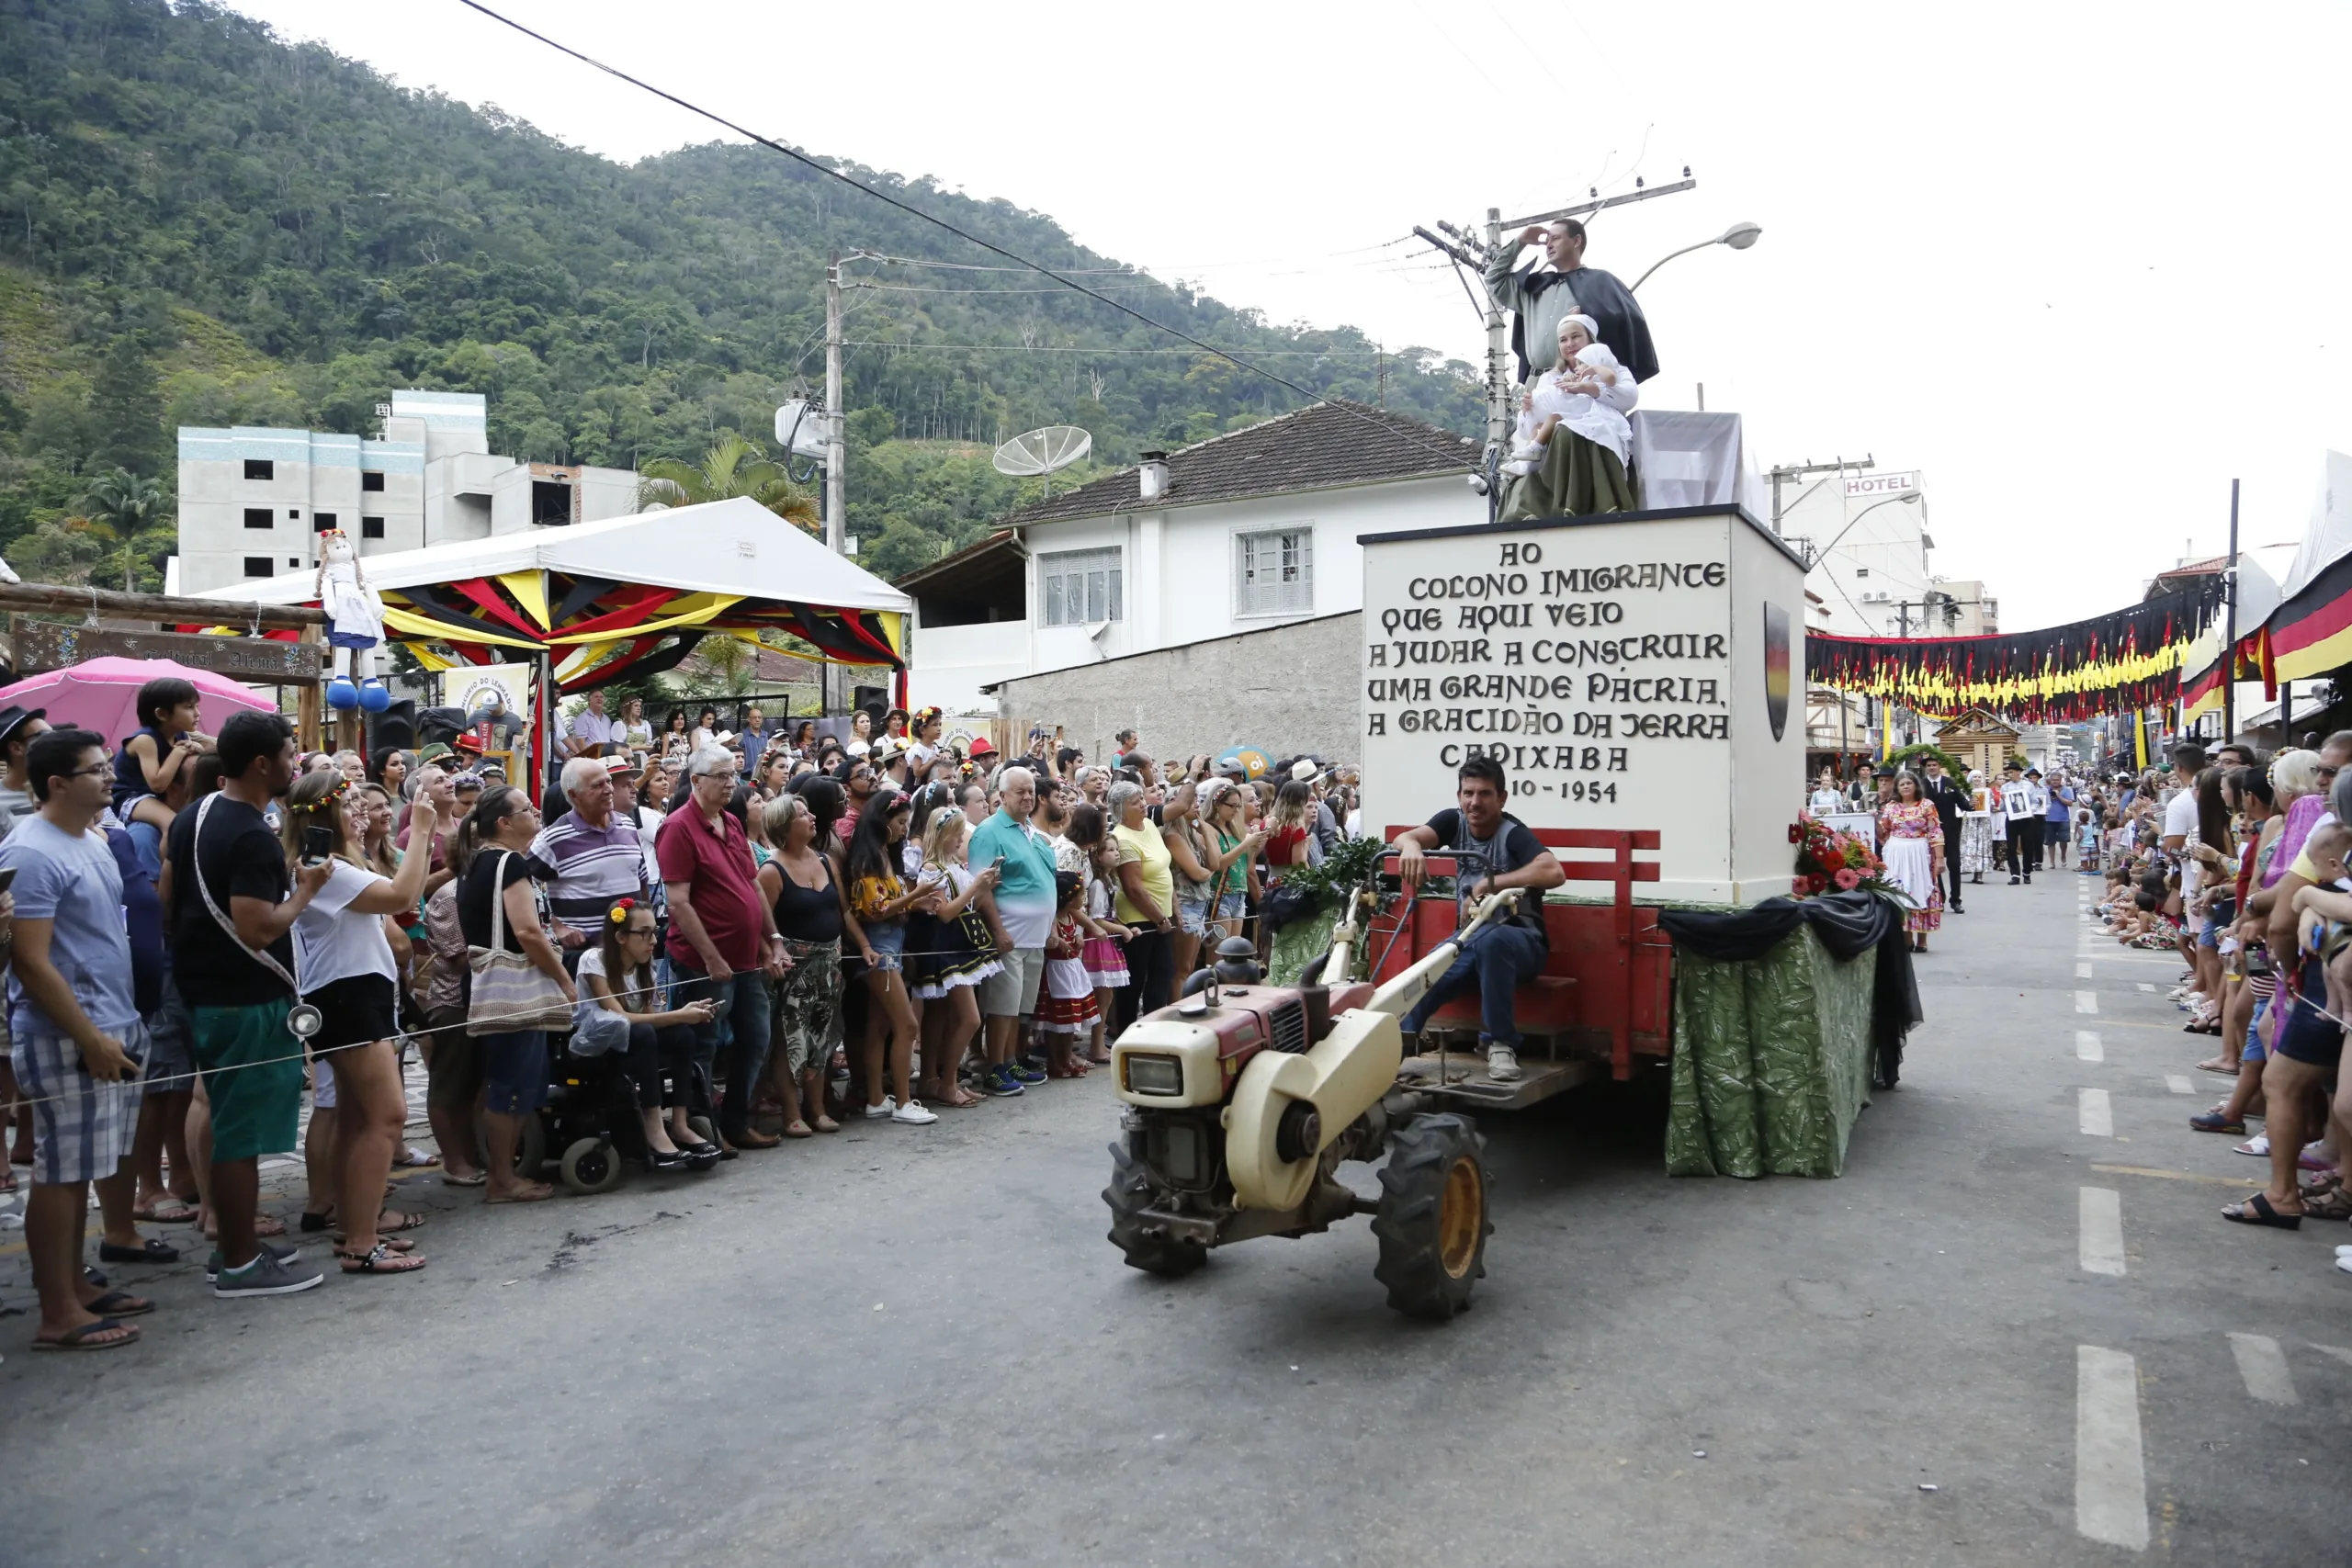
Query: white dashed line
[(2110, 1484), (2087, 1047), (2143, 984), (2264, 1367), (2086, 1001), (2094, 1114), (2101, 1247), (2082, 971), (2179, 1084)]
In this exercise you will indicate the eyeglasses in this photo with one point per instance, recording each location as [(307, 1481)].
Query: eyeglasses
[(98, 771)]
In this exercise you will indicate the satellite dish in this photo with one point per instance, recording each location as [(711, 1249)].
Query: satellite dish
[(1042, 451)]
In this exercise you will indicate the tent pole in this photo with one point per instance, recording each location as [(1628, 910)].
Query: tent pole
[(2230, 627)]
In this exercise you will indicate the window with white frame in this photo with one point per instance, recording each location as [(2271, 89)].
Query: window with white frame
[(1080, 588), (1273, 572)]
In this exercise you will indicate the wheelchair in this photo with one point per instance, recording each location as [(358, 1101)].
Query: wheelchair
[(590, 1125)]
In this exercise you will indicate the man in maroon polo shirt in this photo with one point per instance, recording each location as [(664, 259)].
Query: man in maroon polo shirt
[(723, 940)]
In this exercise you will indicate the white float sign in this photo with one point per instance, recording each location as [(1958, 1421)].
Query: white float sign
[(1632, 672)]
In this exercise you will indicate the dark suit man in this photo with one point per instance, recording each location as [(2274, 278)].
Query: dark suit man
[(1945, 793)]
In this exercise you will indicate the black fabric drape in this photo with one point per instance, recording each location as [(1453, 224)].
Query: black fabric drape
[(1848, 924)]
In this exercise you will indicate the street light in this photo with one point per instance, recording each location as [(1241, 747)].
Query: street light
[(1813, 556), (1739, 236)]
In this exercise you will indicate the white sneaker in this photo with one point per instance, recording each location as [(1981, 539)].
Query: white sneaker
[(913, 1114), (1502, 1063), (890, 1107)]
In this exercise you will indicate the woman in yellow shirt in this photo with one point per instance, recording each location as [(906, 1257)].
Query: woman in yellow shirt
[(1147, 903)]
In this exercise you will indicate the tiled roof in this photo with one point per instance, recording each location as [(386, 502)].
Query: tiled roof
[(1322, 446)]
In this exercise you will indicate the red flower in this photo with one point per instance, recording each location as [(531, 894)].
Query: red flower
[(1796, 833)]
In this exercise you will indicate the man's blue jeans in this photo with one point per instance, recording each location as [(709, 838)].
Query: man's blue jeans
[(1496, 960), (743, 1018)]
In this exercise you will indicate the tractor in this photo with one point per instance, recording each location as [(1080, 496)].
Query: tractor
[(1242, 1100)]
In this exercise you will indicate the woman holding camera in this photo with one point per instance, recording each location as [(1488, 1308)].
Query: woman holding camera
[(344, 961)]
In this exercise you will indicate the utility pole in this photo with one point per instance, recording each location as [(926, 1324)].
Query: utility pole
[(830, 691), (1798, 471)]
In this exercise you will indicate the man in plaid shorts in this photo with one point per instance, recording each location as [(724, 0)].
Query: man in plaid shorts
[(77, 1042)]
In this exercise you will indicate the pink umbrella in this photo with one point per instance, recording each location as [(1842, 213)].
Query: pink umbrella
[(101, 694)]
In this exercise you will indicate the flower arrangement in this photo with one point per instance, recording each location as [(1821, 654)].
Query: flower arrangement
[(1830, 859)]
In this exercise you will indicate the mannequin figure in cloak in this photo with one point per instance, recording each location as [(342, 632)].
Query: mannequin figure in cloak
[(1540, 296)]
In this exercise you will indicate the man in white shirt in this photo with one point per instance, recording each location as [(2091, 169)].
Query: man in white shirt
[(2024, 823), (2181, 811), (593, 733)]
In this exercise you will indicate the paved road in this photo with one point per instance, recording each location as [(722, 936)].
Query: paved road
[(915, 1347)]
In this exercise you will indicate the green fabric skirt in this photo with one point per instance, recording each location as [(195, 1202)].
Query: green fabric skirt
[(1578, 478)]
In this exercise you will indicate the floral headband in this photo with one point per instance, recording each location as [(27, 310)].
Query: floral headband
[(328, 799)]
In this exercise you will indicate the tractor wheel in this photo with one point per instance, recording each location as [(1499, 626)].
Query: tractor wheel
[(1432, 1223), (1129, 1194)]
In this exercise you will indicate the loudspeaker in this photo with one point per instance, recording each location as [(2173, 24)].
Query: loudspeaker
[(392, 729)]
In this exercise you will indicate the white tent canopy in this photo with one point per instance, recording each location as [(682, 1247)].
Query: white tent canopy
[(734, 547), (2328, 537)]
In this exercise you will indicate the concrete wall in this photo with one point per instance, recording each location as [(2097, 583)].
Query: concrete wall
[(1288, 688), (315, 476)]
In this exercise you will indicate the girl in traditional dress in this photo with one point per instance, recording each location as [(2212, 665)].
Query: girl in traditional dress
[(1911, 838), (1977, 830), (1067, 1013)]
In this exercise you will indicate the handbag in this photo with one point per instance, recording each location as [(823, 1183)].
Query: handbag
[(596, 1030), (1286, 904), (510, 993)]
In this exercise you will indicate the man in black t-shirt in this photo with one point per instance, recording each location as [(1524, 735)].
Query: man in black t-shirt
[(238, 1003), (1502, 955)]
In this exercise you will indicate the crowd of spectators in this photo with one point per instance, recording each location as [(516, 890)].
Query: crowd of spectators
[(771, 930)]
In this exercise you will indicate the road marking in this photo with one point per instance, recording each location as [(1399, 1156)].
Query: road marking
[(2082, 971), (2343, 1355), (2087, 1047), (2100, 1248), (2086, 1001), (2241, 1183), (2143, 984), (2110, 1484), (2264, 1367), (2179, 1084), (2094, 1113)]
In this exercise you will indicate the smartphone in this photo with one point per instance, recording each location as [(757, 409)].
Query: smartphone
[(7, 875), (318, 843)]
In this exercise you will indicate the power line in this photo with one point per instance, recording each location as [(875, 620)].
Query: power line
[(1383, 426), (1052, 348)]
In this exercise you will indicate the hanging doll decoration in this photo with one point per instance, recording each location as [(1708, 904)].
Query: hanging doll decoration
[(355, 625)]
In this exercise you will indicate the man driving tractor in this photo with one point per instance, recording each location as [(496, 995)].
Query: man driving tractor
[(1503, 955)]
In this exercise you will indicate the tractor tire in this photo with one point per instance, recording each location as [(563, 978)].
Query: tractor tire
[(1432, 1223), (1129, 1194)]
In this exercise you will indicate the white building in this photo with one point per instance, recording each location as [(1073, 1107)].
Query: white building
[(1866, 535), (253, 499), (1241, 532)]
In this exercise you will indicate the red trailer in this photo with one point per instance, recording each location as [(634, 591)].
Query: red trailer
[(1604, 1002)]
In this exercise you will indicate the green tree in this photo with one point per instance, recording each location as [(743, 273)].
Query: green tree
[(732, 467), (127, 408), (129, 507)]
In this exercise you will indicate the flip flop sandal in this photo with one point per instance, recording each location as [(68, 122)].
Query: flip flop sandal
[(383, 1259), (391, 1223), (478, 1179), (120, 1303), (80, 1338), (2215, 1122), (173, 1212), (2257, 1211), (342, 1243), (268, 1225)]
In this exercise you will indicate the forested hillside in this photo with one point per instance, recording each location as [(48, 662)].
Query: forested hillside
[(202, 224)]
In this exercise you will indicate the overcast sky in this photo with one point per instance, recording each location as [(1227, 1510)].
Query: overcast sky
[(2079, 264)]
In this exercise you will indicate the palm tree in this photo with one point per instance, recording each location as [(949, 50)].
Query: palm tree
[(732, 467), (125, 505)]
